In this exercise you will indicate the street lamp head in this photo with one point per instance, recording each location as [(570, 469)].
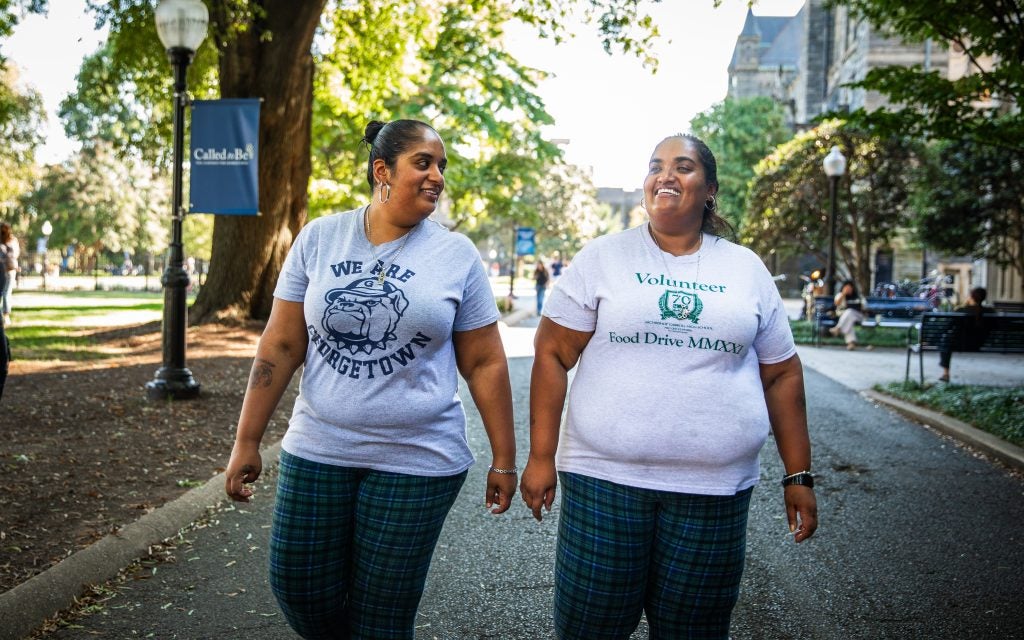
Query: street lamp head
[(47, 228), (835, 163), (181, 24)]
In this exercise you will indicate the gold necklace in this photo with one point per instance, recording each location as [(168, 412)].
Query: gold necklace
[(376, 260), (662, 252)]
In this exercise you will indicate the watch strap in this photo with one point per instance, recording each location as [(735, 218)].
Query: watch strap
[(802, 478)]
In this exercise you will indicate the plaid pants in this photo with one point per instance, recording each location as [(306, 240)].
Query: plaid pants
[(350, 548), (624, 550)]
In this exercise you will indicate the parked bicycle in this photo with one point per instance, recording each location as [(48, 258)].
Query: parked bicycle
[(937, 289)]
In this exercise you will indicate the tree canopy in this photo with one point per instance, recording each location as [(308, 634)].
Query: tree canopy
[(788, 206), (21, 119), (323, 70), (985, 104), (970, 201), (21, 114), (740, 133), (100, 202)]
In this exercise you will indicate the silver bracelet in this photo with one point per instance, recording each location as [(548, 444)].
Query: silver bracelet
[(507, 472)]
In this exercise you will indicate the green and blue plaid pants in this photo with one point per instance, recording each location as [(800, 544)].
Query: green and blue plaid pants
[(350, 548), (624, 550)]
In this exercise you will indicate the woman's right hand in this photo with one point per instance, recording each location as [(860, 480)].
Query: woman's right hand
[(244, 468), (538, 485)]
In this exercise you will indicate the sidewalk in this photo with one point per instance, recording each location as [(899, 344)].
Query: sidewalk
[(862, 369)]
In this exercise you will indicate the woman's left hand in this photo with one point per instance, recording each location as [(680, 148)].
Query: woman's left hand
[(500, 489), (802, 511)]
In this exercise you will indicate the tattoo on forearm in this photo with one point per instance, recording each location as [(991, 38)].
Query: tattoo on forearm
[(262, 373)]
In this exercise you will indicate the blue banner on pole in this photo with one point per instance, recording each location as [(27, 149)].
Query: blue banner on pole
[(224, 157), (525, 241)]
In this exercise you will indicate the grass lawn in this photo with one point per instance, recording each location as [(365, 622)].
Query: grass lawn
[(59, 325), (874, 336), (997, 410)]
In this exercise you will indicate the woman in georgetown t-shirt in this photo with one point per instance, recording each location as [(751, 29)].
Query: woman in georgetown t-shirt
[(685, 360), (383, 308)]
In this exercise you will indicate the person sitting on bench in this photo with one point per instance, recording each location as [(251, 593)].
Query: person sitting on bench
[(972, 306), (848, 306)]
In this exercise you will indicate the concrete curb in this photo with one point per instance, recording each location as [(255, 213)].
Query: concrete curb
[(27, 606), (1008, 453)]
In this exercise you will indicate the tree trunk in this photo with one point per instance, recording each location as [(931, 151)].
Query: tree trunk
[(271, 60)]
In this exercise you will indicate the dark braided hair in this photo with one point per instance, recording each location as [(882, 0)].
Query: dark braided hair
[(388, 140), (712, 222)]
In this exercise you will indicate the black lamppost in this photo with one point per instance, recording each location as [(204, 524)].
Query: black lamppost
[(835, 167), (181, 25)]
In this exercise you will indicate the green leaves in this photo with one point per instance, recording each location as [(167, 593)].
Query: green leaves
[(985, 39), (740, 133), (442, 62), (971, 202), (21, 119), (788, 205), (101, 202)]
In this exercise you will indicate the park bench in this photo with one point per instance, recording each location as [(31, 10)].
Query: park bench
[(879, 311), (1008, 307), (956, 331)]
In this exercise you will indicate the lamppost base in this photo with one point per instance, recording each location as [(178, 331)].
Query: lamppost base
[(172, 385)]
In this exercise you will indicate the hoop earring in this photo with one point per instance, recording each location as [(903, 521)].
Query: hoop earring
[(381, 198), (711, 204)]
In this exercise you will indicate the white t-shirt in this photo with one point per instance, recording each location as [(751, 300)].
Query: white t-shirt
[(668, 394), (380, 384)]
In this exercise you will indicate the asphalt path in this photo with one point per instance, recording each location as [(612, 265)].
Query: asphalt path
[(919, 538)]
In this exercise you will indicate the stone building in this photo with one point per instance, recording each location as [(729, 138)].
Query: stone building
[(840, 50), (766, 60), (804, 62)]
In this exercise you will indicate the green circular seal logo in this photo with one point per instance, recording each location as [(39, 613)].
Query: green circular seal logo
[(680, 305)]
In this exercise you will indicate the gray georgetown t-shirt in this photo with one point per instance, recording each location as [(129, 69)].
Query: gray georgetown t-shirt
[(380, 386)]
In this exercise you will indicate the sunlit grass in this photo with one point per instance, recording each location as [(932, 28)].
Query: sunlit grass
[(68, 315), (63, 330), (52, 343)]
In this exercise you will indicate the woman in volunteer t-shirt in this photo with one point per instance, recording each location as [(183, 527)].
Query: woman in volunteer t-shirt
[(686, 360)]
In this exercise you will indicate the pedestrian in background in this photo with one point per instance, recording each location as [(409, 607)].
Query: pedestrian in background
[(556, 266), (384, 309), (848, 306), (686, 360), (976, 336), (540, 280), (5, 347), (10, 251)]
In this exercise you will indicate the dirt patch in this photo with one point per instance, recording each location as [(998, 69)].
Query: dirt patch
[(83, 452)]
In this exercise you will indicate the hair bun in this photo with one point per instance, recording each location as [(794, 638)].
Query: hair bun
[(371, 131)]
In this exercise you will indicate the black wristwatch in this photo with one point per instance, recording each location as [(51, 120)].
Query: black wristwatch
[(802, 478)]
